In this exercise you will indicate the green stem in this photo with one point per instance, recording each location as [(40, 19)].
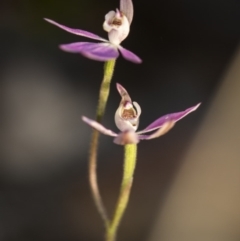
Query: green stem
[(128, 171), (103, 97)]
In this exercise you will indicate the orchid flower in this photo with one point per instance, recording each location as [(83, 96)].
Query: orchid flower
[(117, 24), (127, 121)]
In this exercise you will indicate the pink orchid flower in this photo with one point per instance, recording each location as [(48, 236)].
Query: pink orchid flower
[(117, 24), (127, 121)]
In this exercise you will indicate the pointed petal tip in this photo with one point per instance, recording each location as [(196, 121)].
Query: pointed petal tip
[(137, 60), (198, 104), (84, 118), (78, 32), (87, 120), (66, 48), (62, 47), (118, 86), (195, 107), (97, 126), (48, 20), (120, 89), (130, 56), (173, 117)]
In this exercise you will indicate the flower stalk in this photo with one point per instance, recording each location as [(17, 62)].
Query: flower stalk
[(103, 97), (130, 157)]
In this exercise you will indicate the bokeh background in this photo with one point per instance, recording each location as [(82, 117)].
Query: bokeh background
[(187, 183)]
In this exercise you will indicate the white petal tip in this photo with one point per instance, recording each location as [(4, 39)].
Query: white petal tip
[(196, 106), (48, 20), (138, 62), (119, 87), (85, 119)]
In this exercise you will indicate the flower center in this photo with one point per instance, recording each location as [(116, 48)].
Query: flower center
[(116, 22), (128, 112), (117, 26)]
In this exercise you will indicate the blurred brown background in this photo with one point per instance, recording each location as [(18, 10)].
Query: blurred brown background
[(186, 183)]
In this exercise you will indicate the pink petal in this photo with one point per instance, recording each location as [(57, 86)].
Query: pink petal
[(96, 51), (76, 47), (173, 117), (122, 91), (101, 52), (129, 55), (126, 7), (98, 127), (167, 126), (76, 31)]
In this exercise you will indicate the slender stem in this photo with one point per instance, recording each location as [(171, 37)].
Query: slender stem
[(105, 88), (128, 171), (103, 97)]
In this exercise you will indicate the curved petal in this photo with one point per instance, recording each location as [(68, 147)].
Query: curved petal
[(96, 51), (123, 92), (126, 6), (167, 126), (129, 55), (76, 31), (173, 117), (101, 52), (77, 47), (98, 127), (137, 106)]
